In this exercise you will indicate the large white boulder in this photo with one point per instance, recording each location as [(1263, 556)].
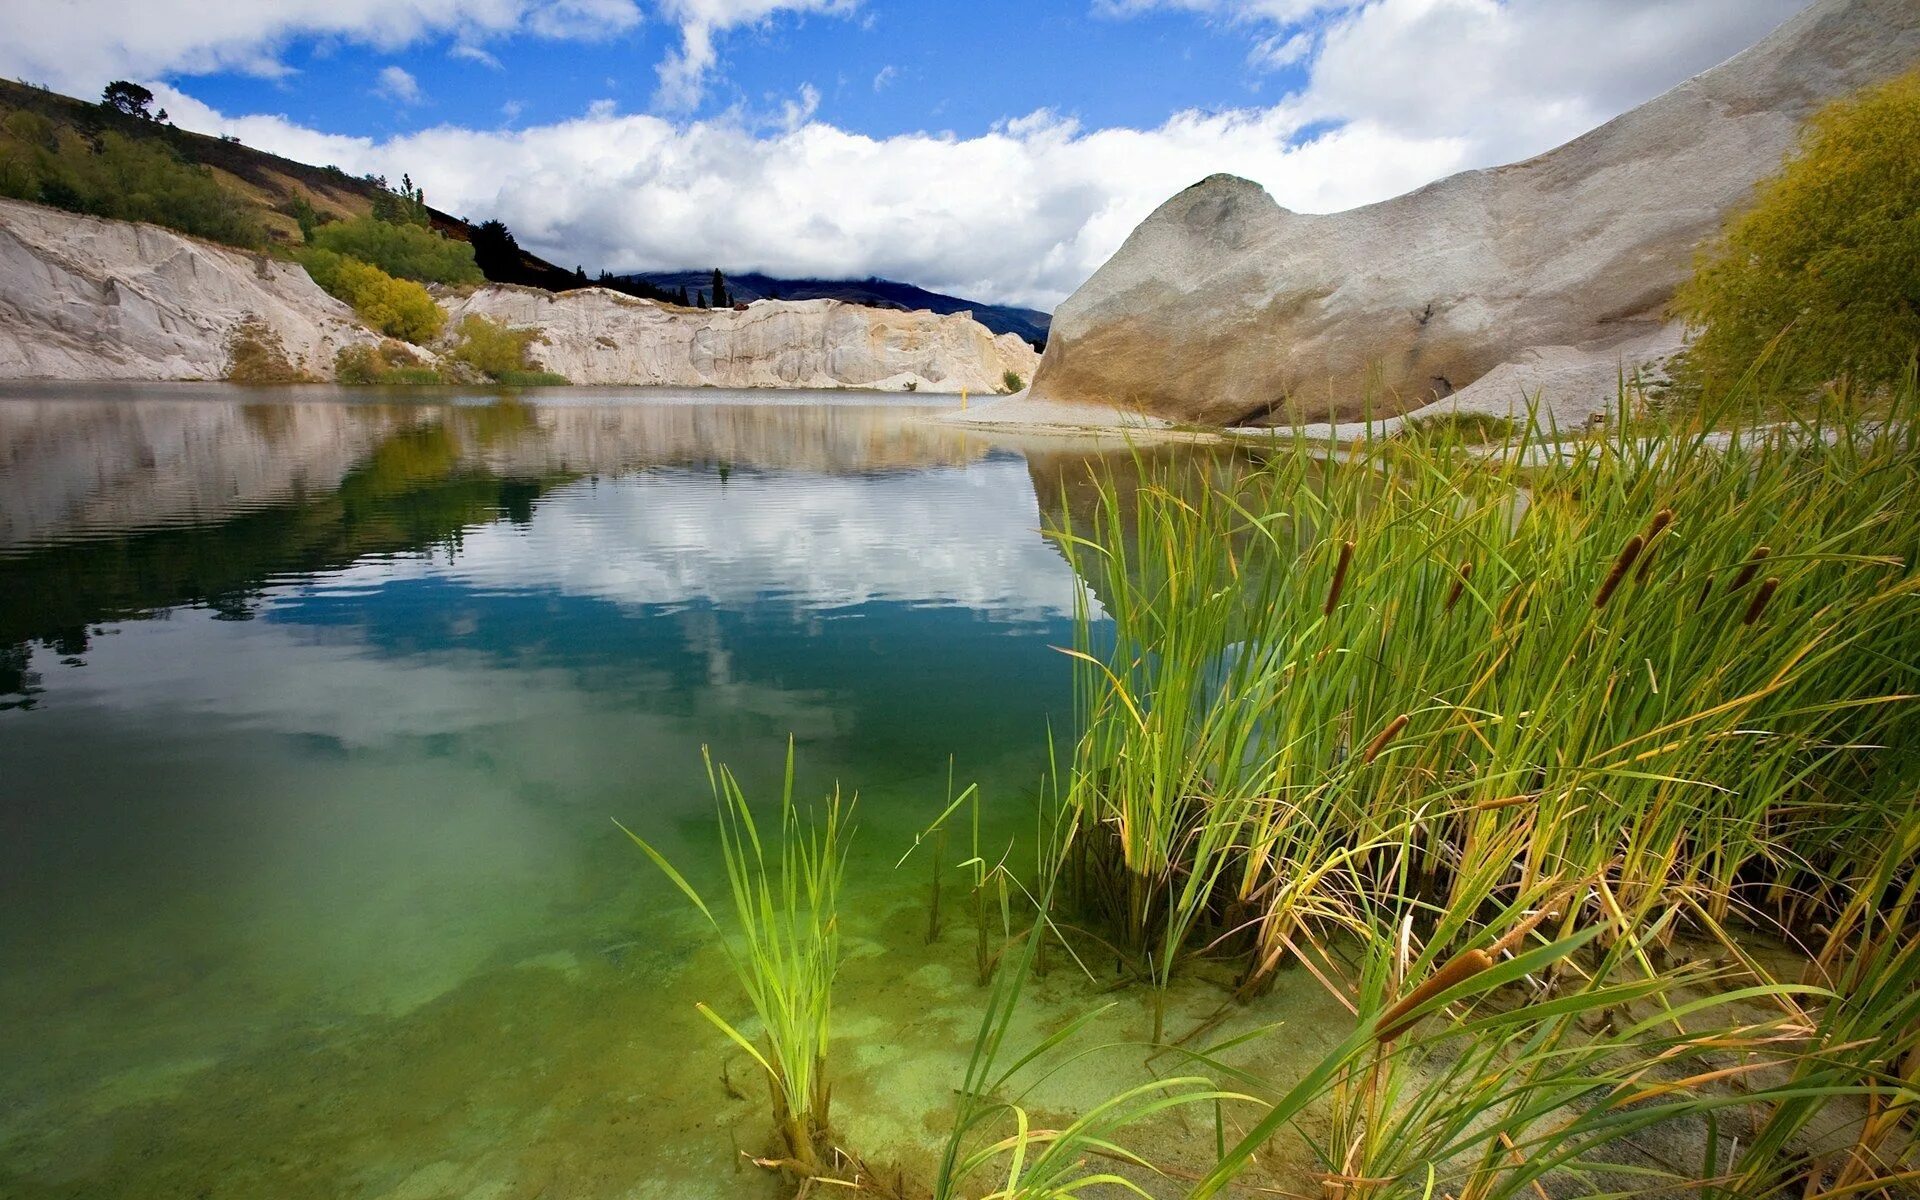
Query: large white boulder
[(1223, 307)]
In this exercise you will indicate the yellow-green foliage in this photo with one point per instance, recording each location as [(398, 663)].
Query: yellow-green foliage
[(491, 347), (117, 176), (1013, 381), (1829, 252), (404, 250), (398, 308)]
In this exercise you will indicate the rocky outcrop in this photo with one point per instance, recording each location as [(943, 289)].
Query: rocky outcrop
[(596, 336), (89, 298), (1224, 307)]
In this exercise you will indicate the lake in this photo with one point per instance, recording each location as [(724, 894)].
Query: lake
[(317, 709)]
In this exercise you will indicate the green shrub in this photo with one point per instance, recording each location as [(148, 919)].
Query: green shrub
[(1013, 381), (1466, 428), (125, 178), (405, 251), (532, 379), (1829, 253), (398, 308), (491, 347)]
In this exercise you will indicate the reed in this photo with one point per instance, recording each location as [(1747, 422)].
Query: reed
[(783, 944), (1514, 677)]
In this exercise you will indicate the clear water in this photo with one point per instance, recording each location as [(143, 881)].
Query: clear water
[(315, 714)]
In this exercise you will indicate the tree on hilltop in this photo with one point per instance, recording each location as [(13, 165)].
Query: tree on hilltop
[(496, 251), (127, 97)]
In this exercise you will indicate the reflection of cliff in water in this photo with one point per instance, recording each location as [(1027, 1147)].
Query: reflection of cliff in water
[(111, 509), (72, 463)]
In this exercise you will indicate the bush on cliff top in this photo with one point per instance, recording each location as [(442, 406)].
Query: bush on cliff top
[(398, 308), (405, 251), (1829, 252)]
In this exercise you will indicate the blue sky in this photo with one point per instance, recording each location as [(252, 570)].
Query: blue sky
[(884, 69), (1000, 149)]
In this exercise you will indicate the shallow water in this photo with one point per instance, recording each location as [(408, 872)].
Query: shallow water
[(316, 709)]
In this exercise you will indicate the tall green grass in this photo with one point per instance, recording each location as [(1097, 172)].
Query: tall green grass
[(783, 944), (1544, 759)]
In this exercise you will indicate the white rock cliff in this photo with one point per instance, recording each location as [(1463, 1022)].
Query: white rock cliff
[(596, 336), (87, 298)]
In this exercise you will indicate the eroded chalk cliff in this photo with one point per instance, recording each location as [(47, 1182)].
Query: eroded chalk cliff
[(596, 336), (87, 298), (1223, 307)]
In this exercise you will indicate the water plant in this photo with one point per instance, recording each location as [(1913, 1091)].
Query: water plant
[(1568, 739), (783, 944)]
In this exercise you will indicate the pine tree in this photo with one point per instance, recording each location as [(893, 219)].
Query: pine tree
[(719, 289)]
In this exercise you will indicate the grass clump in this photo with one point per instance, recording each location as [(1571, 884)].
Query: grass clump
[(398, 308), (783, 943), (1012, 381), (388, 363), (1467, 428), (257, 357)]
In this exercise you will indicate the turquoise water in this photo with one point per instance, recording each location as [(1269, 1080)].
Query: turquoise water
[(316, 711), (317, 714)]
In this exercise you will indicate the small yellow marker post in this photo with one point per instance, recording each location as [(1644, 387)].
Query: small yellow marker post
[(963, 399)]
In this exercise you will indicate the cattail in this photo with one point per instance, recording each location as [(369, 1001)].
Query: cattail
[(1768, 586), (1655, 528), (1386, 735), (1621, 566), (1751, 568), (1459, 969), (1339, 577), (1459, 584)]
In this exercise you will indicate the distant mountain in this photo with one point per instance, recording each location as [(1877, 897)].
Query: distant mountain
[(1030, 324)]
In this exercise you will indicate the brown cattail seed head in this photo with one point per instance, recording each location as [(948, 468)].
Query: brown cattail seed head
[(1655, 528), (1751, 568), (1459, 584), (1386, 735), (1339, 577), (1621, 566), (1768, 586), (1461, 968)]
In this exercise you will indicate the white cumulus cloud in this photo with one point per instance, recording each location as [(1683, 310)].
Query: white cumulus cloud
[(77, 45), (397, 85)]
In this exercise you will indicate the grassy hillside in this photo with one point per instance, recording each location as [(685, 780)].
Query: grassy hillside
[(269, 189)]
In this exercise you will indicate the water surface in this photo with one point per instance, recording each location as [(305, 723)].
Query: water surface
[(316, 709)]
